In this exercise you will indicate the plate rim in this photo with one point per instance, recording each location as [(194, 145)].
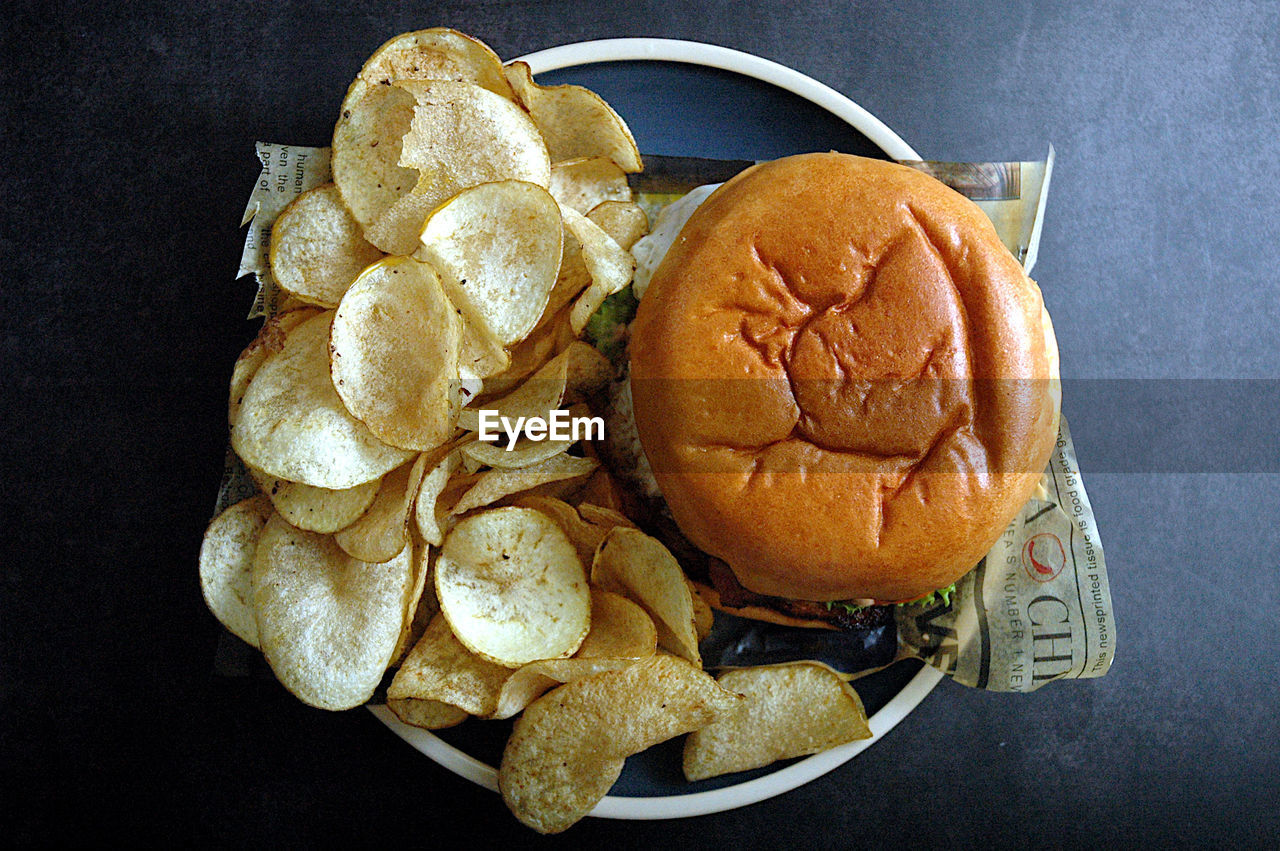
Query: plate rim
[(909, 697), (725, 59)]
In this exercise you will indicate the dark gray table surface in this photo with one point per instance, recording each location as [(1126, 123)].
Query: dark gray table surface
[(124, 175)]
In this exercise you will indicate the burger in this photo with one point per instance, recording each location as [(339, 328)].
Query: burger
[(841, 389)]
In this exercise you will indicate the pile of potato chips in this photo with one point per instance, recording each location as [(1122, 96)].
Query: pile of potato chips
[(476, 222)]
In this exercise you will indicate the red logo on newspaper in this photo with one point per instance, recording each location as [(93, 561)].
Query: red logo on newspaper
[(1043, 557)]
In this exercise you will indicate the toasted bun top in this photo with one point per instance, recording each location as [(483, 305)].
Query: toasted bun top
[(840, 379)]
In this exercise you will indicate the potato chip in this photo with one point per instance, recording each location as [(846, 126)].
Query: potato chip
[(382, 532), (468, 387), (287, 302), (372, 180), (226, 565), (396, 228), (619, 629), (586, 306), (292, 424), (576, 122), (559, 762), (574, 374), (566, 336), (497, 484), (328, 624), (425, 509), (436, 54), (459, 483), (585, 533), (638, 566), (602, 491), (461, 135), (317, 248), (428, 714), (703, 617), (423, 605), (394, 352), (512, 587), (410, 629), (790, 710), (316, 509), (624, 221), (269, 340), (529, 682), (528, 355), (553, 508), (566, 489), (537, 396), (584, 183), (607, 518), (620, 634), (428, 606), (584, 536), (367, 144), (468, 466), (440, 668), (480, 355), (609, 265), (525, 453), (571, 280), (497, 249)]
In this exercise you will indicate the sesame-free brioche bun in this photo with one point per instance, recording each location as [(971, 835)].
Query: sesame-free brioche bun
[(841, 379)]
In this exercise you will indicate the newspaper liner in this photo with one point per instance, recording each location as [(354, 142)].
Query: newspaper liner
[(287, 172), (1037, 608)]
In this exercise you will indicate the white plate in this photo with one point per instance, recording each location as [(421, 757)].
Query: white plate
[(798, 773)]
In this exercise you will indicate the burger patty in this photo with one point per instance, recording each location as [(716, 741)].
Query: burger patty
[(837, 614)]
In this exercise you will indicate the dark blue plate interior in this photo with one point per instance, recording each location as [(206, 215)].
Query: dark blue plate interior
[(693, 111), (688, 110)]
